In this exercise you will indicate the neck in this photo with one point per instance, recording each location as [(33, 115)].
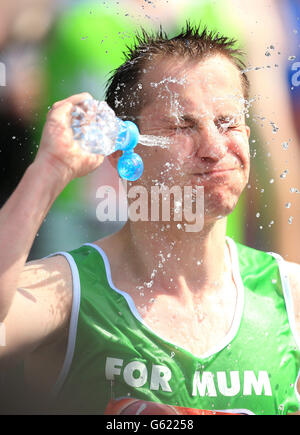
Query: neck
[(169, 258)]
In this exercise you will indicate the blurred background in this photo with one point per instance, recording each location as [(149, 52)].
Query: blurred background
[(51, 49)]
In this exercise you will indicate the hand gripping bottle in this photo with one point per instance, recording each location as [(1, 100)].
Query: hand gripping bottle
[(98, 130)]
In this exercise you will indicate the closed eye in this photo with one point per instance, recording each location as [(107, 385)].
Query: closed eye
[(227, 123), (186, 128)]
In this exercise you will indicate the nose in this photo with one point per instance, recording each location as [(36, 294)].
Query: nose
[(211, 143)]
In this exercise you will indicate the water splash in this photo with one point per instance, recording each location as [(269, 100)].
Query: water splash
[(154, 141)]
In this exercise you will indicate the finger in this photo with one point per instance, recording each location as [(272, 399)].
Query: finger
[(73, 99), (61, 113)]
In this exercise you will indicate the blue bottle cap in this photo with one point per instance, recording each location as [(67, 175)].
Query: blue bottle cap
[(130, 166), (133, 135)]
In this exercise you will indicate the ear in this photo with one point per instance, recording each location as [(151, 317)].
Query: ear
[(114, 158)]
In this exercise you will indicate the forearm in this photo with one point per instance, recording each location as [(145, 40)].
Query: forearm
[(20, 220)]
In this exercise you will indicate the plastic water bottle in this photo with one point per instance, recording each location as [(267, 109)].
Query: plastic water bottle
[(98, 130)]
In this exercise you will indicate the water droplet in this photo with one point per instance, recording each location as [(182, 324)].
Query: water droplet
[(290, 220), (288, 205), (274, 127), (284, 174), (272, 181), (285, 145), (257, 215), (291, 57)]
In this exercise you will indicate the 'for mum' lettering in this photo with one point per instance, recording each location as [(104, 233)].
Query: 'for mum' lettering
[(136, 374)]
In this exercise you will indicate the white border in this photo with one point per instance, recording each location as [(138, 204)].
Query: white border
[(287, 295), (73, 323), (237, 315), (285, 282)]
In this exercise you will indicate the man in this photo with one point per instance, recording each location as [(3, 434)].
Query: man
[(154, 312)]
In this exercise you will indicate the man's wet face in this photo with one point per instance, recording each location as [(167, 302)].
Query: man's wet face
[(200, 107)]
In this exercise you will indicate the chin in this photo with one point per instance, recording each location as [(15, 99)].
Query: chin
[(219, 205)]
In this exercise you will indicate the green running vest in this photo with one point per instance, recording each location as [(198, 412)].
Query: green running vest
[(112, 353)]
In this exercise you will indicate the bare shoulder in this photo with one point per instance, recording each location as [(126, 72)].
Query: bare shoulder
[(293, 271), (49, 272), (41, 307), (48, 284)]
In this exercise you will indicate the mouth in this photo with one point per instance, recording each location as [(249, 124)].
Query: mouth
[(213, 172)]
